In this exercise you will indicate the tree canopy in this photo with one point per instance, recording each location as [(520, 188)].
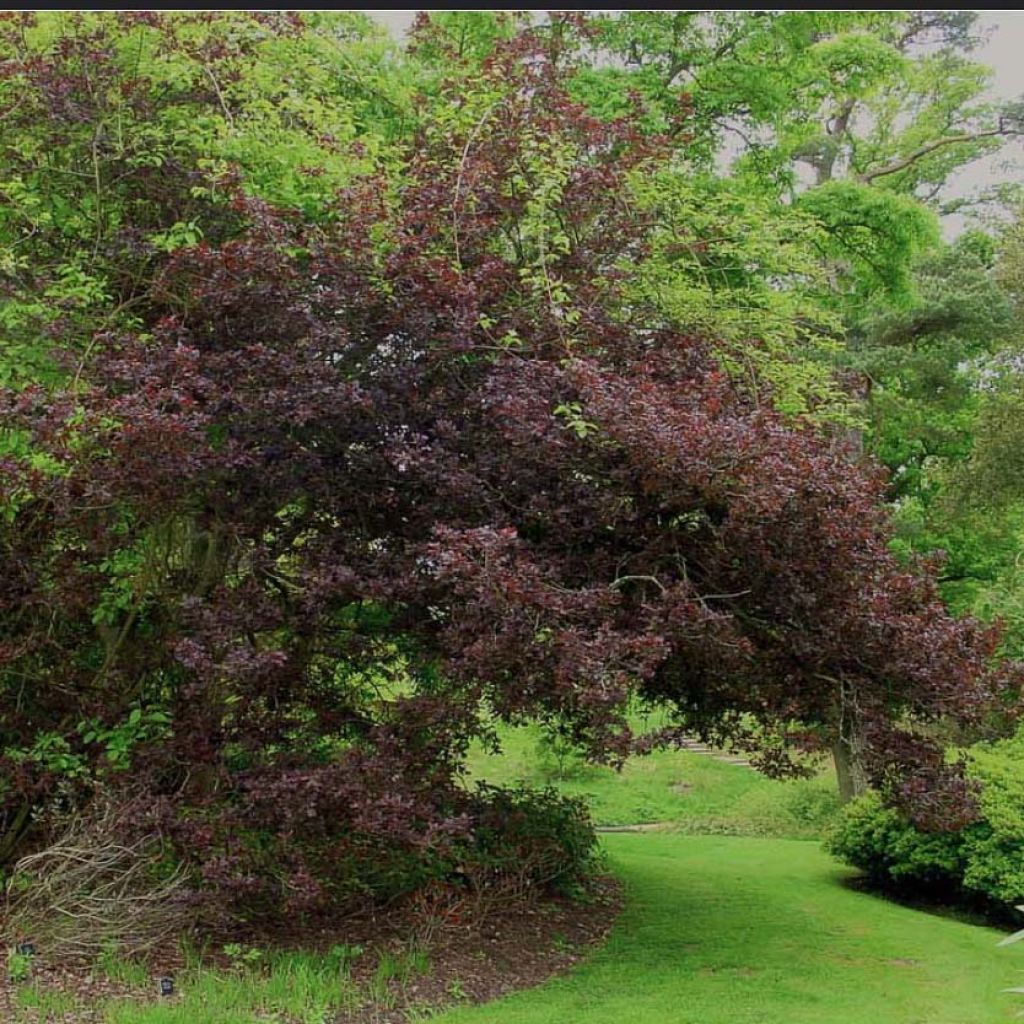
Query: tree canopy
[(325, 456)]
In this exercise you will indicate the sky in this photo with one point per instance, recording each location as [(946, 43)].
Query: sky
[(1003, 51)]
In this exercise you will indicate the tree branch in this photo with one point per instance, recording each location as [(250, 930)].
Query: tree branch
[(922, 151)]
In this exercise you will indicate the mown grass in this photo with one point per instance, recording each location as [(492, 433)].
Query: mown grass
[(737, 930), (694, 792)]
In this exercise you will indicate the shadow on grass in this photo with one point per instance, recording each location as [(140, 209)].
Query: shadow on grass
[(938, 900)]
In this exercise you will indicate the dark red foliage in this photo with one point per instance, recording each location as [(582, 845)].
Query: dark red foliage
[(376, 488)]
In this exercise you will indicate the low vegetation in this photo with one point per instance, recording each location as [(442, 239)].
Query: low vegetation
[(983, 862)]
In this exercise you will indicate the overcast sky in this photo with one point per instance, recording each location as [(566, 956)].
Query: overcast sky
[(1003, 51)]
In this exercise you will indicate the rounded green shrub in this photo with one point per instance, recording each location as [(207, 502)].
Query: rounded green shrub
[(995, 848), (984, 860), (880, 841)]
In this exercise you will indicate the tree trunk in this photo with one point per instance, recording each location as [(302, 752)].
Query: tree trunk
[(848, 749), (849, 770)]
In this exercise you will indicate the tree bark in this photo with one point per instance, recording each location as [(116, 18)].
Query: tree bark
[(848, 748), (849, 770)]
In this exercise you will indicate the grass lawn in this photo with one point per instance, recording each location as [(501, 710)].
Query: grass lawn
[(735, 930), (693, 791)]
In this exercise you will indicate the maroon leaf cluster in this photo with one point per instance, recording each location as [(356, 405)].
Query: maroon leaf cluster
[(360, 483)]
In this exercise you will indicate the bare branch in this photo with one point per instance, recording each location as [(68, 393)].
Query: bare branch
[(922, 151)]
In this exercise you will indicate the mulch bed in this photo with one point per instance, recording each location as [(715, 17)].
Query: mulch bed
[(470, 961)]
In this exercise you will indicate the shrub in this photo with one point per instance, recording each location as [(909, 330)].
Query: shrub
[(880, 841), (498, 844), (983, 860), (526, 840), (995, 853)]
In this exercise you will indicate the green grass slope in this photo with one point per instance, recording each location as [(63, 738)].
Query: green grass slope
[(734, 930), (695, 792)]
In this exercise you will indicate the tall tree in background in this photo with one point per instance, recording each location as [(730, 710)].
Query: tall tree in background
[(929, 360), (851, 114)]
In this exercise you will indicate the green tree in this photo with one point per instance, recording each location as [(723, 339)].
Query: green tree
[(925, 360), (847, 113), (879, 97)]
